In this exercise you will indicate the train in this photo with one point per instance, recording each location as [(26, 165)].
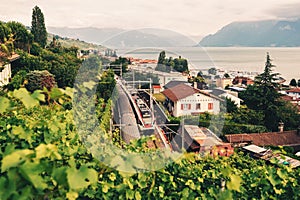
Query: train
[(125, 117)]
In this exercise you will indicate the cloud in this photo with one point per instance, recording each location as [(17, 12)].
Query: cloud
[(188, 17), (289, 11)]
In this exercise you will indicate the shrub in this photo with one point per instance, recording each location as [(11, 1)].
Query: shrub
[(37, 80)]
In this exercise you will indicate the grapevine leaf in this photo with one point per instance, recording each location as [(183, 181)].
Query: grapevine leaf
[(273, 180), (32, 172), (90, 85), (72, 195), (227, 194), (234, 183), (38, 95), (55, 93), (14, 159), (137, 195), (69, 91), (79, 179), (23, 95), (4, 104), (47, 151), (21, 133), (60, 175)]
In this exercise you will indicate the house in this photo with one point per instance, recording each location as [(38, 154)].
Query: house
[(293, 100), (164, 77), (156, 89), (5, 69), (233, 96), (200, 139), (185, 100), (223, 82), (295, 92), (175, 83), (285, 138), (240, 80)]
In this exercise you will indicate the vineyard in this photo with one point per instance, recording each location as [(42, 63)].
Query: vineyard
[(42, 157)]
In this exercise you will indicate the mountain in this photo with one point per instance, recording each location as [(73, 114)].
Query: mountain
[(68, 42), (258, 33), (120, 38)]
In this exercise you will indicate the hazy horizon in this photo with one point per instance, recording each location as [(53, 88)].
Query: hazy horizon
[(192, 18)]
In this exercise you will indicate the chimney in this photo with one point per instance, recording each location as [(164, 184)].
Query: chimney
[(280, 126), (195, 85)]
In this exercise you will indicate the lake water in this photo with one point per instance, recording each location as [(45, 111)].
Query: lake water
[(287, 60)]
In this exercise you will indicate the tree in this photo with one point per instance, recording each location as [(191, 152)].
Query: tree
[(121, 61), (293, 82), (22, 37), (263, 96), (37, 80), (231, 106), (212, 71), (267, 78), (162, 57), (226, 75), (38, 28), (298, 84)]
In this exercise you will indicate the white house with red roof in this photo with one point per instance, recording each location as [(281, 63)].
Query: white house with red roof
[(295, 92), (183, 100), (5, 68)]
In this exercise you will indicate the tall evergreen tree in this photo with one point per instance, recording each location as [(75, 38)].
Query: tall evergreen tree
[(38, 28), (263, 96), (267, 78)]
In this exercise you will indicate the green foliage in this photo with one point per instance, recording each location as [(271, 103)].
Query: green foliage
[(293, 82), (42, 157), (17, 81), (63, 64), (124, 62), (37, 80), (106, 85), (38, 28), (231, 106), (263, 98), (212, 71), (22, 37), (168, 64), (226, 75), (138, 76)]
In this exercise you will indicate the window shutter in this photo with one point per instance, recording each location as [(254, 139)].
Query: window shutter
[(190, 106), (181, 106)]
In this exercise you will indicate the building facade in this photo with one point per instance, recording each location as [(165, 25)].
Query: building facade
[(185, 100)]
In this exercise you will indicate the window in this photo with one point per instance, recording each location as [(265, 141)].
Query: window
[(198, 106), (186, 106), (210, 106)]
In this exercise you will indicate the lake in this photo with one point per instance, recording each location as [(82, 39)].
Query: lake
[(286, 59)]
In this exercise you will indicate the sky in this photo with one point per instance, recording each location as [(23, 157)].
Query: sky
[(188, 17)]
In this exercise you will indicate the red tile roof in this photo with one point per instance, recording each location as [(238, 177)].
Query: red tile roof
[(179, 92), (156, 86), (294, 90), (285, 138), (182, 91)]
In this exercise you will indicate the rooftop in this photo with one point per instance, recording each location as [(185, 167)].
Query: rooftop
[(294, 90), (286, 138), (180, 91), (174, 83), (255, 149)]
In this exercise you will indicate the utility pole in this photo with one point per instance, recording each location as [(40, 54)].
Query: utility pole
[(151, 100), (182, 134)]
